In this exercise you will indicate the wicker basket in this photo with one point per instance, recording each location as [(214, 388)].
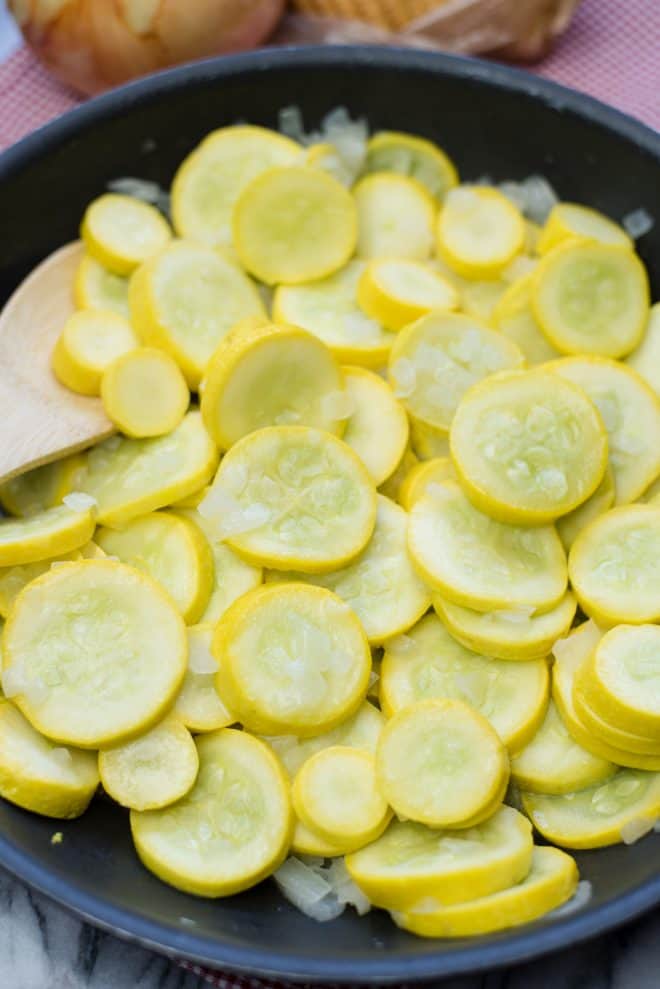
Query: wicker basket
[(393, 15)]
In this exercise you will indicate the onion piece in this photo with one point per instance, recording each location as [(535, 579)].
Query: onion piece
[(308, 891), (633, 830), (93, 44), (580, 898), (637, 223), (79, 501)]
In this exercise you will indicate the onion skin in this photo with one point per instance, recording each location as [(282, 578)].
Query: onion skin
[(91, 45)]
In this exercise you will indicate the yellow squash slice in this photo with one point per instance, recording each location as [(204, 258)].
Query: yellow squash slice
[(613, 566), (567, 221), (294, 659), (428, 663), (551, 881), (591, 298), (293, 225), (435, 360), (144, 393), (43, 487), (630, 411), (94, 653), (186, 299), (396, 292), (170, 549), (153, 770), (508, 633), (211, 179), (130, 477), (335, 794), (526, 448), (293, 497), (553, 762), (329, 309), (396, 215), (621, 680), (602, 815), (97, 288), (570, 654), (479, 231), (408, 154), (272, 375), (90, 341), (410, 863), (477, 562), (40, 775), (46, 534), (381, 585), (377, 428), (121, 232), (440, 763), (236, 820)]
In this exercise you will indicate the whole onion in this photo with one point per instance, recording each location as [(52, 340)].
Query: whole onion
[(93, 44)]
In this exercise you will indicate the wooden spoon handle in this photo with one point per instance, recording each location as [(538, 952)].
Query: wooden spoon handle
[(41, 420)]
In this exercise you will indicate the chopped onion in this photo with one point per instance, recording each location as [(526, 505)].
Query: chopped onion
[(79, 501), (15, 682), (534, 196), (200, 659), (579, 900), (565, 644), (346, 891), (301, 882), (637, 223), (290, 123), (310, 892), (337, 405), (519, 267), (320, 889), (402, 643), (347, 136), (62, 757), (633, 830), (228, 515), (144, 189), (434, 489), (405, 377)]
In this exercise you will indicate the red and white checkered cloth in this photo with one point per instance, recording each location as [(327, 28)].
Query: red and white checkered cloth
[(611, 52)]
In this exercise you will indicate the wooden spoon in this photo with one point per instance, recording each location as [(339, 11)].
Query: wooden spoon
[(40, 419)]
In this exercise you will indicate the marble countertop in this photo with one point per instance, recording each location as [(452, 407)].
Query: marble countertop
[(43, 947)]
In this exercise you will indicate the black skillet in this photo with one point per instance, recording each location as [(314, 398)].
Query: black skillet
[(491, 120)]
